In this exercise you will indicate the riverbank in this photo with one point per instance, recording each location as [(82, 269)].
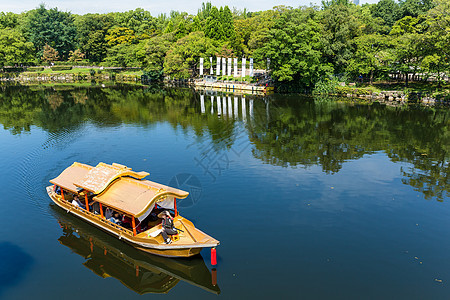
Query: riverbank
[(40, 75), (392, 93), (396, 93)]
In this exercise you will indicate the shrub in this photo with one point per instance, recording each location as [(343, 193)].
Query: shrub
[(343, 90), (13, 69), (61, 68), (35, 69), (84, 62), (92, 72), (326, 86)]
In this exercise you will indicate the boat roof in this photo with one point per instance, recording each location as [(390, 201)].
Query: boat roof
[(98, 178), (135, 197), (116, 186), (72, 174)]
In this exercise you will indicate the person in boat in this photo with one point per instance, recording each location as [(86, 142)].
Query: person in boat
[(116, 218), (108, 213), (76, 201), (127, 223), (167, 226)]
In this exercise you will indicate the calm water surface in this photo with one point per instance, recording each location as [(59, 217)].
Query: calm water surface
[(311, 199)]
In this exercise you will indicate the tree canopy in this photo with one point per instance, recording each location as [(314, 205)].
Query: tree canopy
[(305, 44)]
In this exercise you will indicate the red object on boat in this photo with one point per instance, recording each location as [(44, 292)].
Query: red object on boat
[(213, 257)]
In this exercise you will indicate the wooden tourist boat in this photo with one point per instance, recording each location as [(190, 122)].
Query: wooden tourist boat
[(108, 257), (116, 189)]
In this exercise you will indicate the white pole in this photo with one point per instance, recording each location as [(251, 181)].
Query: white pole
[(211, 72), (235, 67), (218, 67), (224, 66), (201, 66)]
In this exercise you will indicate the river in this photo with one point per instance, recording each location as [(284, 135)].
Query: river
[(309, 198)]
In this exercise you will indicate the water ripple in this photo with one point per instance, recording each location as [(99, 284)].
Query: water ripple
[(29, 172)]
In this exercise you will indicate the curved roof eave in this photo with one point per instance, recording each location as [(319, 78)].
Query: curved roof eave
[(157, 196)]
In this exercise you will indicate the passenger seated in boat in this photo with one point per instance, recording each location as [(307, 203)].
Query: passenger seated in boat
[(127, 223), (116, 219), (108, 213), (76, 202), (167, 226)]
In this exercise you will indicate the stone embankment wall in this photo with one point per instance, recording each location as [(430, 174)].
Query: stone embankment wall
[(31, 78), (397, 97)]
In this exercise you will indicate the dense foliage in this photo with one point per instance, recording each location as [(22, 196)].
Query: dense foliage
[(305, 45)]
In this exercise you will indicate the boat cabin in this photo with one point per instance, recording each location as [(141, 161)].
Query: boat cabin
[(117, 194)]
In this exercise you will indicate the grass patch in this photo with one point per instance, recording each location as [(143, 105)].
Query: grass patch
[(247, 79), (138, 72)]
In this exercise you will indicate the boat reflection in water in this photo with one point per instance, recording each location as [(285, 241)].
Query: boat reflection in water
[(139, 271)]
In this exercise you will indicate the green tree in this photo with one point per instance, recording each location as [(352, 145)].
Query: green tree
[(138, 20), (126, 55), (155, 51), (227, 24), (120, 35), (8, 20), (52, 27), (169, 27), (340, 26), (91, 33), (183, 59), (196, 24), (213, 25), (295, 48), (436, 40), (181, 30), (408, 41), (415, 8), (253, 33), (205, 11), (371, 57), (14, 48), (388, 10)]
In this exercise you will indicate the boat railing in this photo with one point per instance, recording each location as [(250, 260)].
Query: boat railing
[(97, 217)]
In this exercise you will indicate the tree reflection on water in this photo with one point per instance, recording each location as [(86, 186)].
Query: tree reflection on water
[(284, 130)]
